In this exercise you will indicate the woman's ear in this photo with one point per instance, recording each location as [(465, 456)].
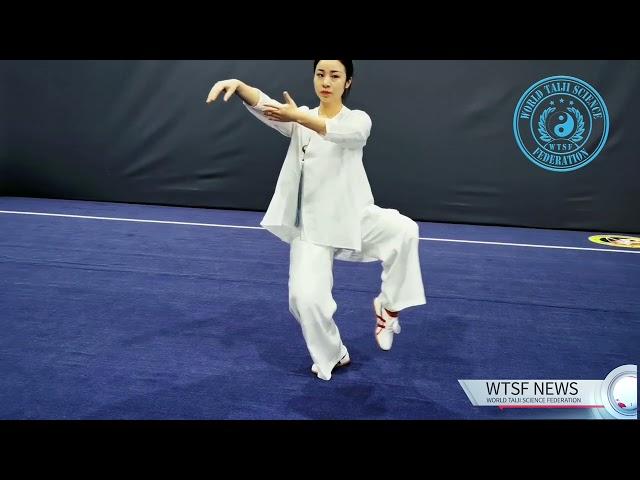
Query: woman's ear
[(347, 85)]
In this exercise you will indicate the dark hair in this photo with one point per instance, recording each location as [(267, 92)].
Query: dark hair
[(348, 66)]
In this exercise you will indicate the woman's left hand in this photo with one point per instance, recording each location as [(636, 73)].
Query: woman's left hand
[(287, 112)]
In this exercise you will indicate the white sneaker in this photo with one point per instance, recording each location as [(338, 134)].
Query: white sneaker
[(386, 325), (345, 360)]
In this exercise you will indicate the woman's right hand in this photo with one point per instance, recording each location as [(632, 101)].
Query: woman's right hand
[(228, 86)]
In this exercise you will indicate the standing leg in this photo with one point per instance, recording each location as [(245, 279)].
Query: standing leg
[(393, 238), (312, 304)]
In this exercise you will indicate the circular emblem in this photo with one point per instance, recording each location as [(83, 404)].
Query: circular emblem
[(619, 391), (561, 123), (616, 240)]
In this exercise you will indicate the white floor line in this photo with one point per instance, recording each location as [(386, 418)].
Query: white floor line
[(11, 212)]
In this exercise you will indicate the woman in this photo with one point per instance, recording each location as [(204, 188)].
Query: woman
[(323, 207)]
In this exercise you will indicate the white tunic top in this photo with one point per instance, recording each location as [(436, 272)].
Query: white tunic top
[(335, 188)]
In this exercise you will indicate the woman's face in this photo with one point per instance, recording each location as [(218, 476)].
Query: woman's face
[(330, 80)]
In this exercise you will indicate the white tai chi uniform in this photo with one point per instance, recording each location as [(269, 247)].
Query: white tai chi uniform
[(323, 207)]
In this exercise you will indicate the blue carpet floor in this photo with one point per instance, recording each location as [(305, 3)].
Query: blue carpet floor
[(109, 319)]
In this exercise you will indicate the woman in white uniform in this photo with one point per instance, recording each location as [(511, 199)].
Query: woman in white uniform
[(323, 207)]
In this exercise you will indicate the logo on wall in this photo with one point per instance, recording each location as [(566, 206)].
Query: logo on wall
[(561, 123), (616, 240)]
